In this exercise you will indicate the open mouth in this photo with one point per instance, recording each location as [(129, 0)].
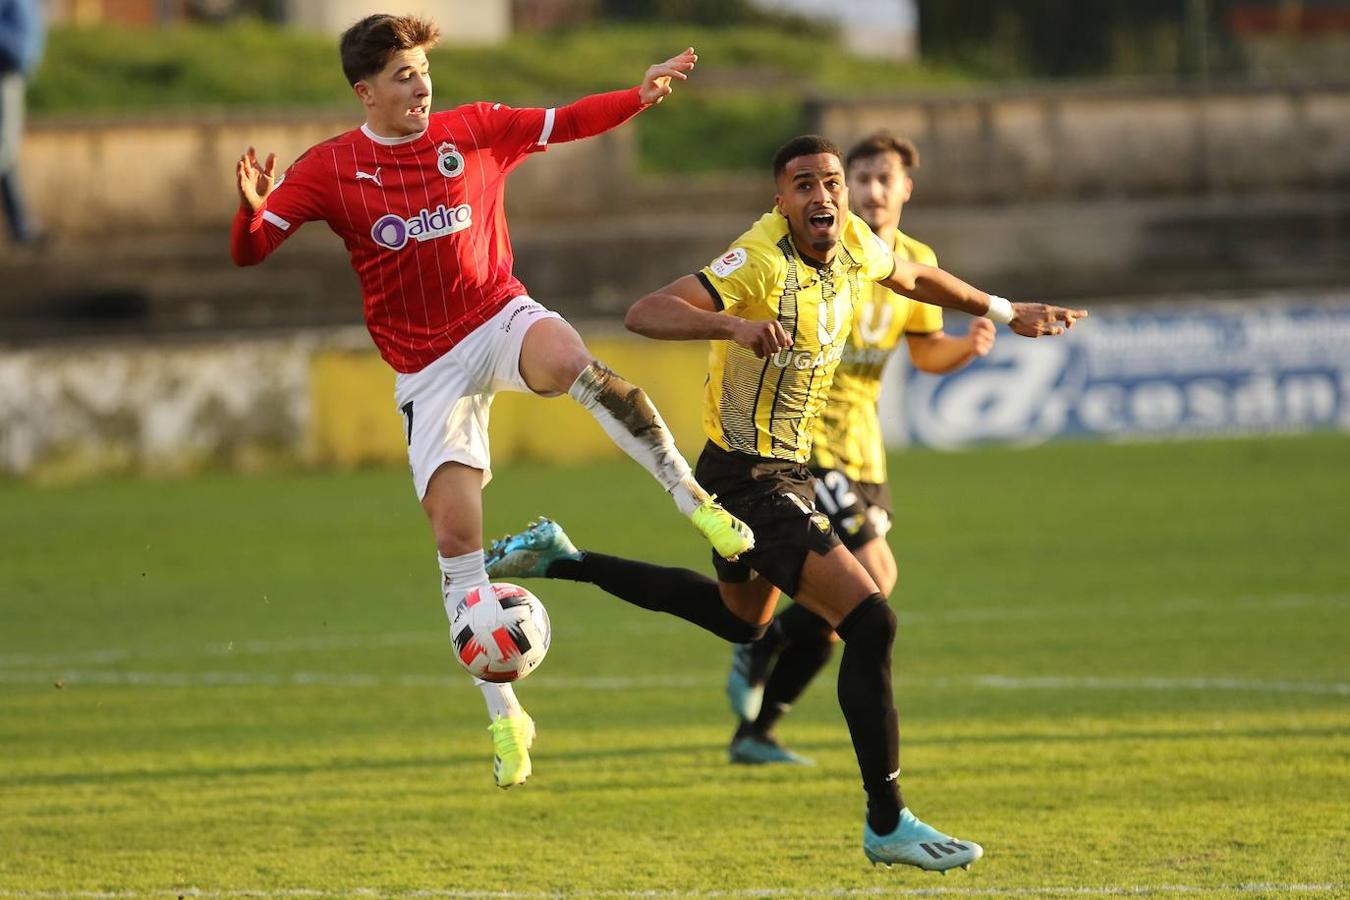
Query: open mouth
[(821, 221), (418, 110)]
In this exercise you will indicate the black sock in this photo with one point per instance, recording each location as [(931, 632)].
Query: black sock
[(680, 592), (796, 623), (869, 708), (801, 659)]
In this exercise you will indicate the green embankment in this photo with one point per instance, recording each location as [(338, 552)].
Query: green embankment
[(746, 97)]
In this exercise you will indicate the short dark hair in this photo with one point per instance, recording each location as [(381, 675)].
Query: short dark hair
[(802, 145), (366, 46), (879, 142)]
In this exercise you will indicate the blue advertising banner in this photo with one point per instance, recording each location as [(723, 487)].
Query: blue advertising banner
[(1189, 369)]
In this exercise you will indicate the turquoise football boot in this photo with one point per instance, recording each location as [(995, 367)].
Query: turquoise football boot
[(529, 553), (754, 750), (745, 682), (913, 843)]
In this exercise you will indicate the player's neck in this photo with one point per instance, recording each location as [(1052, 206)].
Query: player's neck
[(814, 259), (887, 232), (384, 134)]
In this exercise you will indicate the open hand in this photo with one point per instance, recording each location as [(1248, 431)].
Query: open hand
[(255, 181), (655, 85), (1038, 319)]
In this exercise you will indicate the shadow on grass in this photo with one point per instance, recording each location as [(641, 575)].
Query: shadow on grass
[(628, 753)]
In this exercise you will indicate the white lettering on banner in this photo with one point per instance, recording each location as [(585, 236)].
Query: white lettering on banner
[(1188, 370), (1010, 399)]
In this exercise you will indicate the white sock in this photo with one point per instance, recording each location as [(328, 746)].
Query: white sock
[(459, 575), (501, 700), (632, 422)]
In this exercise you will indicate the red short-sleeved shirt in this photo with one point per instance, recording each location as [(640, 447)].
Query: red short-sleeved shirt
[(422, 218)]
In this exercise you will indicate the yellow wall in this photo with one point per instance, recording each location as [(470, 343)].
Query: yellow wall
[(354, 421)]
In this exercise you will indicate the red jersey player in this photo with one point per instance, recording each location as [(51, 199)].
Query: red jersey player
[(417, 198)]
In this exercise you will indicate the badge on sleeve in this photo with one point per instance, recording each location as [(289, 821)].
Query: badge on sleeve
[(730, 263)]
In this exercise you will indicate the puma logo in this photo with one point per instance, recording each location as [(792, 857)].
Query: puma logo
[(366, 175)]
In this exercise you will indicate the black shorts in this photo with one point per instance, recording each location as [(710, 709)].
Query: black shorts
[(777, 499), (860, 511)]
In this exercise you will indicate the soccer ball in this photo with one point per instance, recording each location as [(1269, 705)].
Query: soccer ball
[(500, 633)]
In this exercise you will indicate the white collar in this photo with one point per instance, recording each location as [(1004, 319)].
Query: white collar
[(388, 141)]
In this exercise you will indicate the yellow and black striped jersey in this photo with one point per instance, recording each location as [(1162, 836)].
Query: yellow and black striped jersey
[(766, 407), (847, 433)]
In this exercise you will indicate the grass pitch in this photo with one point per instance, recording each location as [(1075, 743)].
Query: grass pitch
[(1121, 669)]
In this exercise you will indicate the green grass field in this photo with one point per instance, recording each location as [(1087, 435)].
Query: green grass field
[(1122, 669)]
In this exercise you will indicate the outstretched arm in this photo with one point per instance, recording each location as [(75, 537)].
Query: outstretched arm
[(940, 288), (599, 113), (684, 311)]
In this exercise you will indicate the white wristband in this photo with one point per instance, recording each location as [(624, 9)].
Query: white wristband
[(1000, 310)]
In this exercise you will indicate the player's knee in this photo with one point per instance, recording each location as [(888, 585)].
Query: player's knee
[(455, 534), (823, 648), (738, 631), (872, 622), (733, 629), (570, 365)]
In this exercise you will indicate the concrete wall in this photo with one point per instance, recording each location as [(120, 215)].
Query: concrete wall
[(1064, 195), (169, 175), (91, 177), (461, 21), (1084, 144), (318, 398)]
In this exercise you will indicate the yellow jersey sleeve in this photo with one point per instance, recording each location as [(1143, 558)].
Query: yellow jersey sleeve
[(923, 318), (875, 260), (745, 277)]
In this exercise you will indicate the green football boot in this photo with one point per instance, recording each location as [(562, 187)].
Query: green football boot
[(729, 536), (512, 737)]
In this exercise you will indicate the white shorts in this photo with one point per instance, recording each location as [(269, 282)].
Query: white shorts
[(445, 406)]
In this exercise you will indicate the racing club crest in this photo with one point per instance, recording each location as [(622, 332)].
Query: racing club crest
[(449, 160)]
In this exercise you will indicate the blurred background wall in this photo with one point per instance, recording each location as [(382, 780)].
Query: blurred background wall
[(1136, 157)]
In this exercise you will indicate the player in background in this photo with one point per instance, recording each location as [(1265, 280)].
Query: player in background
[(777, 308), (417, 198), (848, 454)]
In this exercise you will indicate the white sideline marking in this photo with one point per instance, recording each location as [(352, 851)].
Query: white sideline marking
[(652, 682), (1002, 682), (326, 679), (923, 616), (1103, 891)]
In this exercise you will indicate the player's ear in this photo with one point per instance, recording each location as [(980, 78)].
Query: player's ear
[(907, 189), (363, 91)]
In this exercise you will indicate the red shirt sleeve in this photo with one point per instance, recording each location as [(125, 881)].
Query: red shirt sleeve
[(296, 198), (513, 133)]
